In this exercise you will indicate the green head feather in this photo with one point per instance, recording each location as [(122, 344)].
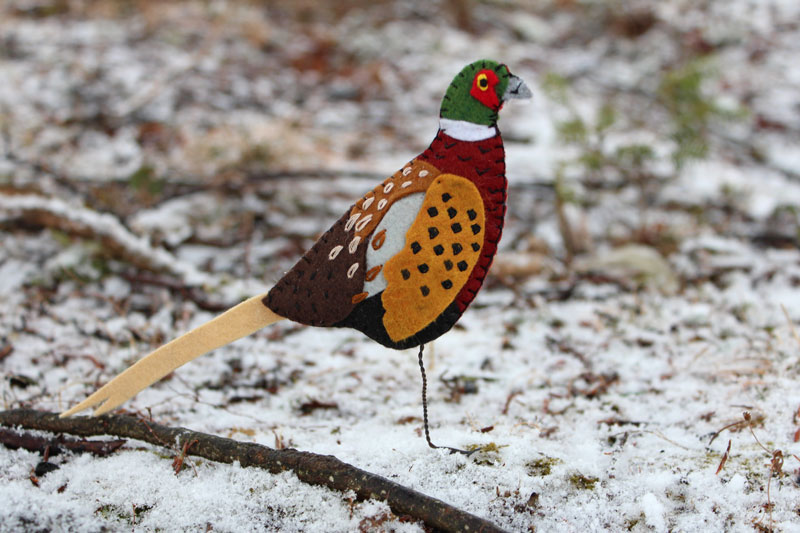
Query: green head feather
[(459, 104)]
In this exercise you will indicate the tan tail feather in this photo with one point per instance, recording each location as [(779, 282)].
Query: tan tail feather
[(235, 323)]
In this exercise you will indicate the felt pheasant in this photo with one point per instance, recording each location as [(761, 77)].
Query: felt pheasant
[(402, 264)]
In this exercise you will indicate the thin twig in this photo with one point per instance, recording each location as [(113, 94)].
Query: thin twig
[(49, 446), (724, 458)]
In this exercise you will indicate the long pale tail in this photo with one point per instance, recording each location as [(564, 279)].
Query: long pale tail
[(235, 323)]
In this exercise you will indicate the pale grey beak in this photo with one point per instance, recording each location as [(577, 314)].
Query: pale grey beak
[(517, 89)]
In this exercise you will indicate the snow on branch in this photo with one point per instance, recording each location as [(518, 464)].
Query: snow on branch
[(84, 222)]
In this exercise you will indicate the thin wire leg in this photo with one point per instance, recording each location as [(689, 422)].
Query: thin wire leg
[(425, 410)]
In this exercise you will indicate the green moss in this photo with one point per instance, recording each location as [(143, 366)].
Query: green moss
[(138, 512), (126, 515), (634, 155), (556, 87), (61, 238), (606, 117), (542, 466), (581, 482), (572, 131), (631, 523), (487, 454), (487, 448), (144, 180), (106, 511), (256, 157), (691, 109)]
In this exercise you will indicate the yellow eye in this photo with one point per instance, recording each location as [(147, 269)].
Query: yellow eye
[(483, 82)]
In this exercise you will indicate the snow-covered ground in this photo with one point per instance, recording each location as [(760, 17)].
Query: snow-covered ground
[(160, 163)]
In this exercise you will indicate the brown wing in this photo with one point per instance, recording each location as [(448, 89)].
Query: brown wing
[(328, 281), (320, 286)]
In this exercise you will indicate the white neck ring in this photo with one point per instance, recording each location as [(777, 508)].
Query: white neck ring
[(466, 131)]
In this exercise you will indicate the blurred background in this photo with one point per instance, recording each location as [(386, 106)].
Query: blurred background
[(231, 133), (161, 161)]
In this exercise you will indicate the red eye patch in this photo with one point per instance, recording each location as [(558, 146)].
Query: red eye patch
[(483, 89)]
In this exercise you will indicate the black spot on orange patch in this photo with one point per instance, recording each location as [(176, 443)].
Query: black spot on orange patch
[(405, 273), (438, 249), (448, 265), (425, 290), (423, 268), (433, 232), (475, 229), (462, 265), (456, 227), (415, 247), (452, 212), (432, 212), (457, 248), (447, 284)]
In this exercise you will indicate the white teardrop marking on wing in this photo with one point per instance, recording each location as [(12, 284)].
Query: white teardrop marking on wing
[(353, 246), (351, 222), (363, 222), (334, 252)]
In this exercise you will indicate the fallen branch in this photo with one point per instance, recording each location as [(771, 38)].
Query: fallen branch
[(323, 470), (83, 222), (36, 443)]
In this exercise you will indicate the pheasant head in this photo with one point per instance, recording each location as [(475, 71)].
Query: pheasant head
[(479, 91)]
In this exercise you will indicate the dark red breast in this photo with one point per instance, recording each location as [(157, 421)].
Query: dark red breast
[(483, 163)]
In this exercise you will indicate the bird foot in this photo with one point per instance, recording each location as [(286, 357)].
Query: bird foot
[(453, 450), (459, 450)]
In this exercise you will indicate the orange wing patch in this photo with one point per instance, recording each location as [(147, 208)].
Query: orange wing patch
[(442, 247)]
